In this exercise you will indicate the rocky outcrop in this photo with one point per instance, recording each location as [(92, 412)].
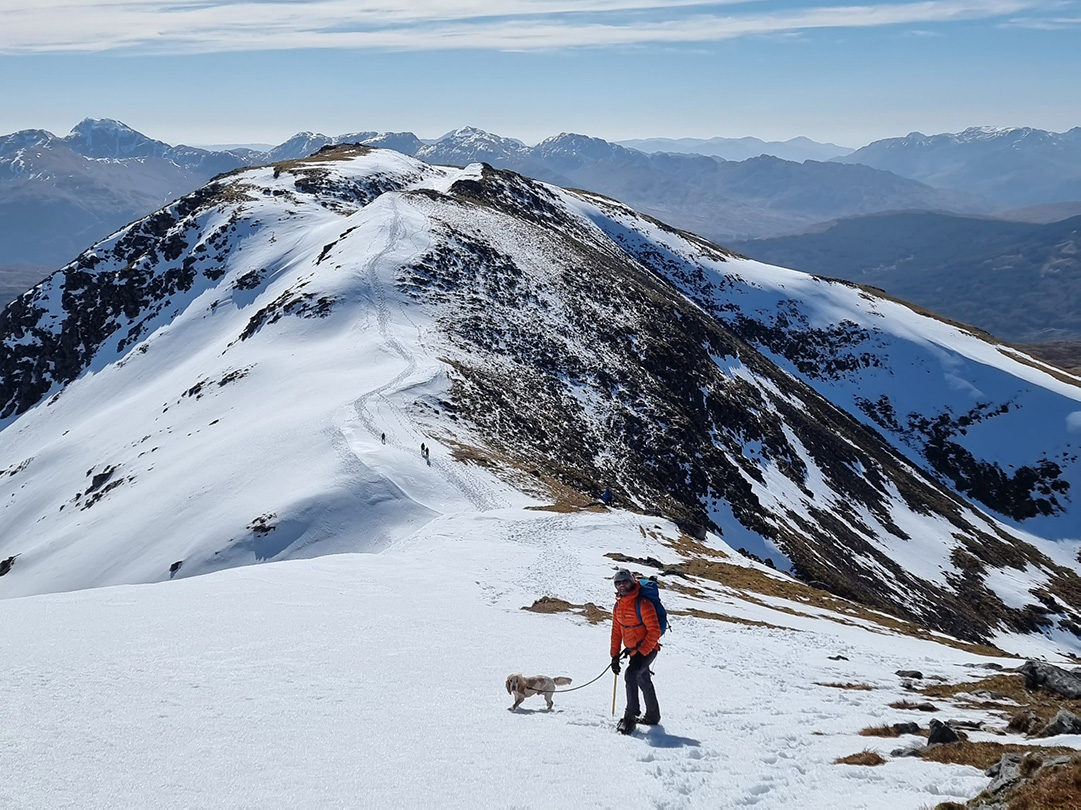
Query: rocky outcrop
[(1017, 777), (1063, 723), (1040, 675)]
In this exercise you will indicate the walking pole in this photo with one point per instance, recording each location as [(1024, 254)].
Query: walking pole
[(615, 683)]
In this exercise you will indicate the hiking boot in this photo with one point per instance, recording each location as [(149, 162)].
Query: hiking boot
[(648, 721), (626, 725)]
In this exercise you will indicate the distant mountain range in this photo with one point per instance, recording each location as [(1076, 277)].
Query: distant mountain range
[(1020, 281), (722, 200), (59, 194), (797, 149), (1017, 167)]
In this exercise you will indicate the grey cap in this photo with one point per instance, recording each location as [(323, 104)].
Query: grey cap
[(623, 575)]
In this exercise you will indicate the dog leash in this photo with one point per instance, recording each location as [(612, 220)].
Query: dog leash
[(583, 686)]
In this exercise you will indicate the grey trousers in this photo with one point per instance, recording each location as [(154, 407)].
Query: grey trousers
[(639, 677)]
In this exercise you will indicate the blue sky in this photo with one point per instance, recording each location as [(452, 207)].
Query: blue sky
[(219, 71)]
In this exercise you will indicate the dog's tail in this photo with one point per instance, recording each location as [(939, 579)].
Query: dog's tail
[(561, 681)]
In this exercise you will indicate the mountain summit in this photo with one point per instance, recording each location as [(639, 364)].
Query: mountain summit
[(106, 138), (218, 384)]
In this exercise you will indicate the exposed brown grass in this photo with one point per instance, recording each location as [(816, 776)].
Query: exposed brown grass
[(1003, 685), (983, 755), (879, 731), (1055, 354), (721, 617), (919, 707), (1007, 694), (865, 757), (858, 687), (564, 499), (589, 611), (752, 580), (235, 193), (1050, 789), (472, 455), (686, 590), (341, 152), (686, 545), (1066, 354), (566, 508)]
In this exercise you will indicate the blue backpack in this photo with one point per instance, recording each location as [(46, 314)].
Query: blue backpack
[(648, 590)]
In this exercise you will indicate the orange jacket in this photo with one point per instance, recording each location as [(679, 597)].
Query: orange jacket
[(640, 636)]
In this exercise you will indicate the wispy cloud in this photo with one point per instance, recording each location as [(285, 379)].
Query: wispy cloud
[(1046, 23), (203, 26)]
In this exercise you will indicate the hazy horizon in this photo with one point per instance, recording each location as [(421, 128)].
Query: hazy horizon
[(214, 72)]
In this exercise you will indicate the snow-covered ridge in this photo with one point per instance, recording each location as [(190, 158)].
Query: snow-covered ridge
[(211, 387), (980, 134)]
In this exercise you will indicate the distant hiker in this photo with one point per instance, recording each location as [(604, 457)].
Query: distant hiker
[(639, 637), (383, 438), (423, 449), (606, 496), (427, 451)]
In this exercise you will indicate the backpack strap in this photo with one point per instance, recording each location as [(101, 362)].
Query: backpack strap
[(638, 610)]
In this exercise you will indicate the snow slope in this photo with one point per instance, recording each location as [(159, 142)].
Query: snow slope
[(377, 681)]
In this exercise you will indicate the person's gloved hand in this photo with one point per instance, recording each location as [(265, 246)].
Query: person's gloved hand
[(615, 663), (627, 652)]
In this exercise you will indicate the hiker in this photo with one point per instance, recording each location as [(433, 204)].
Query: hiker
[(383, 438), (639, 639), (606, 496)]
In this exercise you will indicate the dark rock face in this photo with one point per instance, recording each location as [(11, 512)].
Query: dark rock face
[(53, 332), (941, 733), (841, 351), (1028, 492), (1039, 675)]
